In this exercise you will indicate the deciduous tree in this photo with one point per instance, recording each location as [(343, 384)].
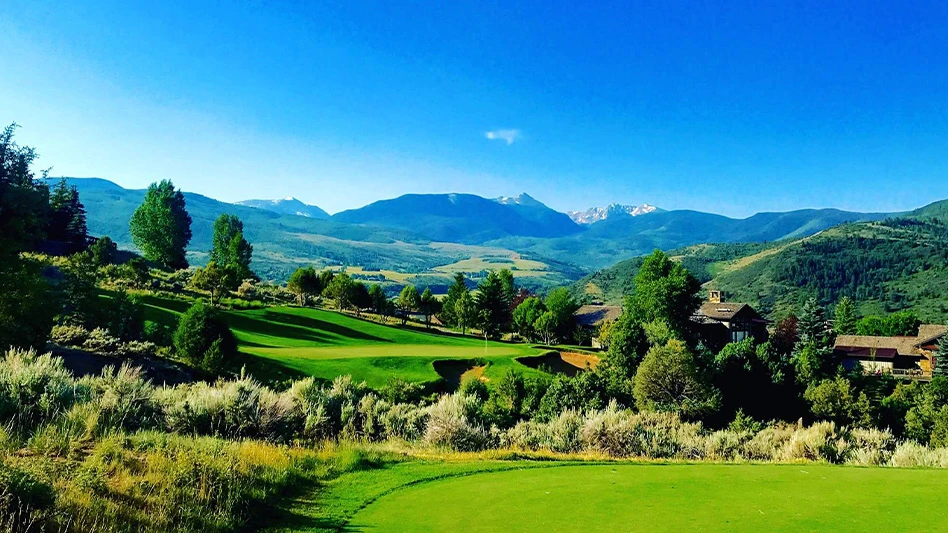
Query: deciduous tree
[(407, 302), (304, 283), (161, 226), (668, 380), (213, 279), (340, 289), (230, 250), (428, 306), (665, 290), (526, 315), (465, 311)]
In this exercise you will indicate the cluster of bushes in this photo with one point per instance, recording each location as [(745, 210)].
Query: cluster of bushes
[(36, 391), (100, 341)]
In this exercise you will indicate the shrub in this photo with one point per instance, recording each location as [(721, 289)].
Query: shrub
[(69, 335), (327, 411), (397, 390), (231, 409), (158, 333), (34, 388), (404, 421), (124, 400), (564, 432), (871, 447), (203, 339), (453, 423), (914, 455), (818, 442), (101, 341), (623, 433)]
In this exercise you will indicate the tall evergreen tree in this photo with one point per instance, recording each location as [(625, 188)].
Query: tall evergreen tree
[(67, 218), (494, 297), (813, 354), (845, 320), (161, 226), (941, 358), (448, 315)]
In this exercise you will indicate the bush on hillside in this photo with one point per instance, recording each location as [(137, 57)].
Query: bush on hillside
[(35, 388), (204, 340), (231, 409), (453, 423)]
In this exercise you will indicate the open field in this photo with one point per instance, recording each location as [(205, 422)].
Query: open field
[(291, 342), (630, 497)]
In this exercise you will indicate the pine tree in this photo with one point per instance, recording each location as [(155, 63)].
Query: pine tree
[(67, 218), (494, 297), (941, 358), (813, 354), (448, 313), (845, 320)]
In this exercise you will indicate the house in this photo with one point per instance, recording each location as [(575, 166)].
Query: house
[(590, 317), (905, 356), (720, 322)]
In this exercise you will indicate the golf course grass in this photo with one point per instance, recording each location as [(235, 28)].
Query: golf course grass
[(628, 497), (291, 342)]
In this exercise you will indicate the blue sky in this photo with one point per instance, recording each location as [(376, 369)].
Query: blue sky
[(732, 108)]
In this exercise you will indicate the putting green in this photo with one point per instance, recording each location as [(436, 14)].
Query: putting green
[(667, 498)]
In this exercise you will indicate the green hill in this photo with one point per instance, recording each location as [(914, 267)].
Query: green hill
[(627, 237), (885, 266)]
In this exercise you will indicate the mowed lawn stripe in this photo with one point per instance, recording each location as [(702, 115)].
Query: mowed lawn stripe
[(286, 342)]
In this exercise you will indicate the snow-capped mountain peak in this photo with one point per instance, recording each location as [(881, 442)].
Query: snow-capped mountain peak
[(522, 199), (595, 214)]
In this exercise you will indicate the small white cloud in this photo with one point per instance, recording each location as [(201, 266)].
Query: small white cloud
[(509, 136)]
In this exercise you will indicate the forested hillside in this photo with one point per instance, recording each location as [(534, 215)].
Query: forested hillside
[(626, 237), (884, 266)]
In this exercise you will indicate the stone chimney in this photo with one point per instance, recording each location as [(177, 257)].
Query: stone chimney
[(715, 297)]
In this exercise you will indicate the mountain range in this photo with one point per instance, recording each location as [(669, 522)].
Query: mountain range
[(436, 234), (884, 265)]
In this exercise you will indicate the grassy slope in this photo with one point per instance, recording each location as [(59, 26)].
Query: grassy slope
[(288, 342), (611, 497)]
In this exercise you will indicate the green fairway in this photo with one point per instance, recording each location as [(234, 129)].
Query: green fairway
[(708, 497), (290, 342)]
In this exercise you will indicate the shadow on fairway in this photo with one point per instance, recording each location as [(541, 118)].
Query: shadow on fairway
[(322, 325)]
